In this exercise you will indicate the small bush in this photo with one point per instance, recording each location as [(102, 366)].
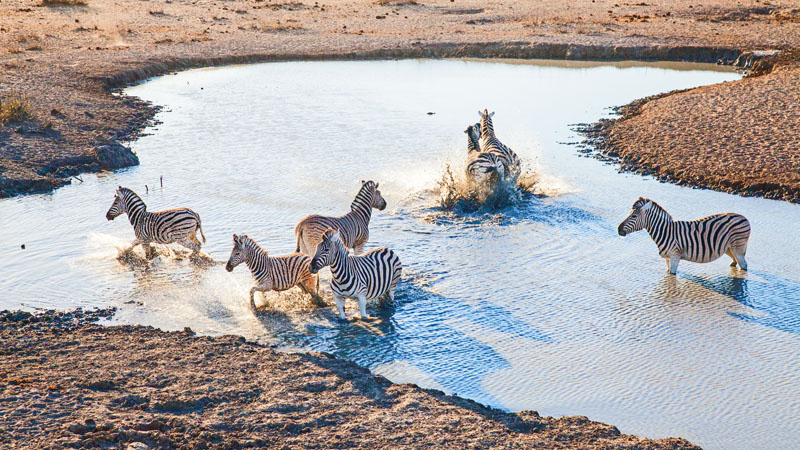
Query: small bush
[(14, 109), (64, 3)]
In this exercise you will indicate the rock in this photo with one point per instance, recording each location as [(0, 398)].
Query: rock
[(115, 156), (137, 446)]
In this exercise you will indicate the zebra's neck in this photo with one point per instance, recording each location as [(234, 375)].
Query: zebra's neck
[(362, 205), (487, 128), (658, 224), (257, 260), (135, 208), (339, 262)]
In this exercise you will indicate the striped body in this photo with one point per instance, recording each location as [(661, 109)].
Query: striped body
[(277, 273), (702, 240), (481, 166), (490, 144), (364, 277), (353, 226), (164, 227)]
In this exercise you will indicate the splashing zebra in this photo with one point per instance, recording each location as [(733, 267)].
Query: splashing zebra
[(354, 226), (164, 227), (364, 277), (481, 166), (702, 240), (490, 144), (272, 273)]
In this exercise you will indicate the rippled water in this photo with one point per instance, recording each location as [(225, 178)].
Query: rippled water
[(536, 306)]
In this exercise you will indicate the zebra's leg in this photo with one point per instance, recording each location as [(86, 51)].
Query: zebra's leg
[(149, 251), (192, 244), (740, 259), (730, 253), (258, 288), (339, 299), (673, 264), (362, 306)]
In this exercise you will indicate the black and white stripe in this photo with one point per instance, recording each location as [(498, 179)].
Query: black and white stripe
[(702, 240), (164, 227), (272, 273), (364, 277), (353, 226), (490, 144), (481, 166)]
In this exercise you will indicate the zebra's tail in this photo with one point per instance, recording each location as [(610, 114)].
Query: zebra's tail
[(299, 236), (200, 229)]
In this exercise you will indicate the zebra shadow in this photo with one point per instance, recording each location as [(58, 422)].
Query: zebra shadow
[(777, 298), (421, 337)]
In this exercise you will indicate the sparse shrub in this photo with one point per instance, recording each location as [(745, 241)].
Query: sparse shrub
[(14, 108), (396, 2)]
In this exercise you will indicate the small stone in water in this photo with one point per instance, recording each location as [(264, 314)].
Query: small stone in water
[(430, 113), (22, 246)]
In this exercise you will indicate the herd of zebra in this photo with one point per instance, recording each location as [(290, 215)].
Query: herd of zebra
[(326, 240)]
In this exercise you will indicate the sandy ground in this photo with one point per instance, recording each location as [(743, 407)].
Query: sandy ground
[(65, 59), (68, 383)]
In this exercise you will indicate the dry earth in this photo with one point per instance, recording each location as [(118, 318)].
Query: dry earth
[(68, 383), (65, 56)]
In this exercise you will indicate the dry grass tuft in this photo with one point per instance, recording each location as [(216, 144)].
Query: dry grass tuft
[(63, 3), (15, 108)]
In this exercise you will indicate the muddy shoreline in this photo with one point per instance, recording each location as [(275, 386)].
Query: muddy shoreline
[(70, 383)]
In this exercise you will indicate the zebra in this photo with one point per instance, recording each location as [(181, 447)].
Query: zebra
[(702, 240), (272, 273), (164, 227), (364, 277), (354, 226), (480, 165), (489, 143)]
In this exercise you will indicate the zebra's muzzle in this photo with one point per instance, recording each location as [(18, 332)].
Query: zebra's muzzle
[(229, 267), (313, 267), (621, 231)]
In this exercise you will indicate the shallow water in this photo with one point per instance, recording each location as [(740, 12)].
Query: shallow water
[(536, 306)]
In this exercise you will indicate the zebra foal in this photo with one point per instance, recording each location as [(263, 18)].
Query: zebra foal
[(164, 227), (364, 277), (272, 273), (702, 240), (353, 226)]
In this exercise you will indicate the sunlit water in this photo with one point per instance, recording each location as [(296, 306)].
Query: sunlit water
[(537, 306)]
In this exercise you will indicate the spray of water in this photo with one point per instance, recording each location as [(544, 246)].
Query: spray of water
[(460, 194)]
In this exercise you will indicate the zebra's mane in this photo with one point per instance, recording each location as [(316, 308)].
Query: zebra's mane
[(248, 243), (654, 207), (131, 197), (364, 196)]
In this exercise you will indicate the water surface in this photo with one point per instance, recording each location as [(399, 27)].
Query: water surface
[(537, 306)]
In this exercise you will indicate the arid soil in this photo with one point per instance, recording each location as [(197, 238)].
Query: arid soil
[(65, 57), (68, 383)]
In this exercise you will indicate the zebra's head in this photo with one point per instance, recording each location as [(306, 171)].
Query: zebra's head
[(118, 205), (473, 136), (239, 252), (485, 126), (326, 249), (377, 201), (636, 218)]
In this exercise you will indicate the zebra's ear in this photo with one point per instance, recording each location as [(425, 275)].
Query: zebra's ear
[(235, 237), (363, 182), (376, 185), (492, 114), (480, 113)]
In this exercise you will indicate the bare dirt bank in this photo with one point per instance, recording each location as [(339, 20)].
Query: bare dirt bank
[(66, 56), (69, 383), (738, 137)]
